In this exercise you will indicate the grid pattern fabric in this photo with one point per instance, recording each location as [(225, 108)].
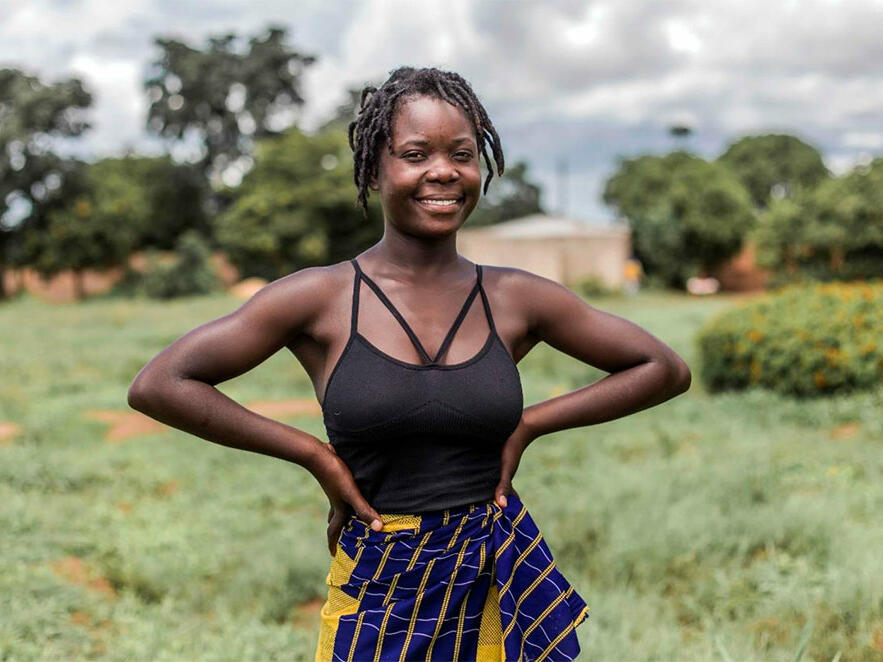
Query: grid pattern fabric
[(474, 582)]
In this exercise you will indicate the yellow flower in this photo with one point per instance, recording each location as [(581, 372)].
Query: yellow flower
[(83, 208), (755, 370)]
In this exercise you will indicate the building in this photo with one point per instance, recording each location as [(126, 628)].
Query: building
[(562, 249)]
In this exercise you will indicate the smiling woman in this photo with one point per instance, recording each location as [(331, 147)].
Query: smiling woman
[(452, 574)]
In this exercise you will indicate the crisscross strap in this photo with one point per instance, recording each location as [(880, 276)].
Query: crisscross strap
[(487, 306), (414, 339)]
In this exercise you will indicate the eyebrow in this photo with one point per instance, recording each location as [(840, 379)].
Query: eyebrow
[(421, 141)]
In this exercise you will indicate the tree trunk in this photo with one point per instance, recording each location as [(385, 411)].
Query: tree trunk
[(79, 290), (837, 258)]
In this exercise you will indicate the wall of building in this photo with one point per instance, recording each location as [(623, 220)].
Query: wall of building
[(566, 259)]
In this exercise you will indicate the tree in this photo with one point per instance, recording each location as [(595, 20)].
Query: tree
[(296, 207), (774, 166), (225, 98), (831, 232), (686, 214), (33, 179), (346, 111), (510, 196), (97, 226), (165, 199)]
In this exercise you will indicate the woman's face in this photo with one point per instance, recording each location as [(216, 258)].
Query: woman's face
[(434, 156)]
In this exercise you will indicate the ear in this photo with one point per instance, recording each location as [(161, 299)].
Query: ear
[(372, 183)]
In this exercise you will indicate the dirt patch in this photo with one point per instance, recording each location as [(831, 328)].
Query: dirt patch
[(74, 570), (245, 289), (877, 638), (274, 408), (166, 489), (844, 431), (7, 431), (97, 631), (125, 424), (306, 614)]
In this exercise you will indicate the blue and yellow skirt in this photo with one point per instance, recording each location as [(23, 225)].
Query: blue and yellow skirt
[(476, 582)]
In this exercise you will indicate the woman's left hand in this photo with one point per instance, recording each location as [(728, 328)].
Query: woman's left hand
[(512, 451)]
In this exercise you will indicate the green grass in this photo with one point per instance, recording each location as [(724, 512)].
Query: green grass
[(726, 527)]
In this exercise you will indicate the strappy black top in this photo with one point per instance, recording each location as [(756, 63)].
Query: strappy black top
[(427, 436)]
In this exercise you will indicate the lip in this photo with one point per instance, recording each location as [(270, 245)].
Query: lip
[(440, 210)]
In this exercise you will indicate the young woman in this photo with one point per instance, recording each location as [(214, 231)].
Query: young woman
[(412, 350)]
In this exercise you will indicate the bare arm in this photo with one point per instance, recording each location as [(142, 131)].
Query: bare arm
[(644, 370), (177, 386)]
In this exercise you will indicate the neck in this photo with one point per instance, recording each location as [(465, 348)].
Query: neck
[(417, 259)]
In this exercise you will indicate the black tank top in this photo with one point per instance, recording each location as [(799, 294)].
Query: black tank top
[(428, 436)]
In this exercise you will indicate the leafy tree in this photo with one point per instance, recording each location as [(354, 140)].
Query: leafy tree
[(33, 179), (226, 98), (346, 111), (774, 166), (164, 198), (510, 196), (831, 232), (686, 214), (296, 207), (97, 227)]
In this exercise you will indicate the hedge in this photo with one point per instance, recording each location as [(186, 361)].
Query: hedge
[(801, 340)]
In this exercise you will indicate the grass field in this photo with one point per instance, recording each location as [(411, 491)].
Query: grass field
[(713, 527)]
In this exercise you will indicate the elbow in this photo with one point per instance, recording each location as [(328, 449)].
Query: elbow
[(137, 396), (681, 377), (142, 391)]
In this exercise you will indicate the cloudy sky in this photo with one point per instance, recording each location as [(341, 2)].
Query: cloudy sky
[(576, 79)]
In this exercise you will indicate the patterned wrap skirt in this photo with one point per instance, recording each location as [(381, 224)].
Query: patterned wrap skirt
[(475, 582)]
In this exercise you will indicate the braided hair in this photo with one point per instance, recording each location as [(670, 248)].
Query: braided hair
[(373, 126)]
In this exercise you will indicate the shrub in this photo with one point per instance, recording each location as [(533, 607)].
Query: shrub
[(589, 286), (190, 272), (800, 340)]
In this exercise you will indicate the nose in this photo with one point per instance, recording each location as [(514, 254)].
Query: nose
[(442, 171)]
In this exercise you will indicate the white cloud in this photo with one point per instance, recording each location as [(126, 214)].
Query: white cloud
[(864, 139)]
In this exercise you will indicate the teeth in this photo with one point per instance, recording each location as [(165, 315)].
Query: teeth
[(440, 203)]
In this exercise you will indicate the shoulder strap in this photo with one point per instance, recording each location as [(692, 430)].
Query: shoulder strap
[(354, 318), (487, 305)]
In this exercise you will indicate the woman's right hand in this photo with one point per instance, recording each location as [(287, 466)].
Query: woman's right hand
[(343, 494)]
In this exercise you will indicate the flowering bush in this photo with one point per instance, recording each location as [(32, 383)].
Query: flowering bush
[(801, 340)]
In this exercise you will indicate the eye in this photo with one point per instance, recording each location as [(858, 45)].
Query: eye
[(411, 155), (464, 155)]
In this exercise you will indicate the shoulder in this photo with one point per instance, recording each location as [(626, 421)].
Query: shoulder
[(302, 295), (519, 283), (317, 281), (537, 298)]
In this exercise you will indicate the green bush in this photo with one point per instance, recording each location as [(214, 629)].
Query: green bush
[(590, 286), (189, 273), (800, 340)]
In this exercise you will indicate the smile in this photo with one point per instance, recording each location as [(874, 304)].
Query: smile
[(439, 204)]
